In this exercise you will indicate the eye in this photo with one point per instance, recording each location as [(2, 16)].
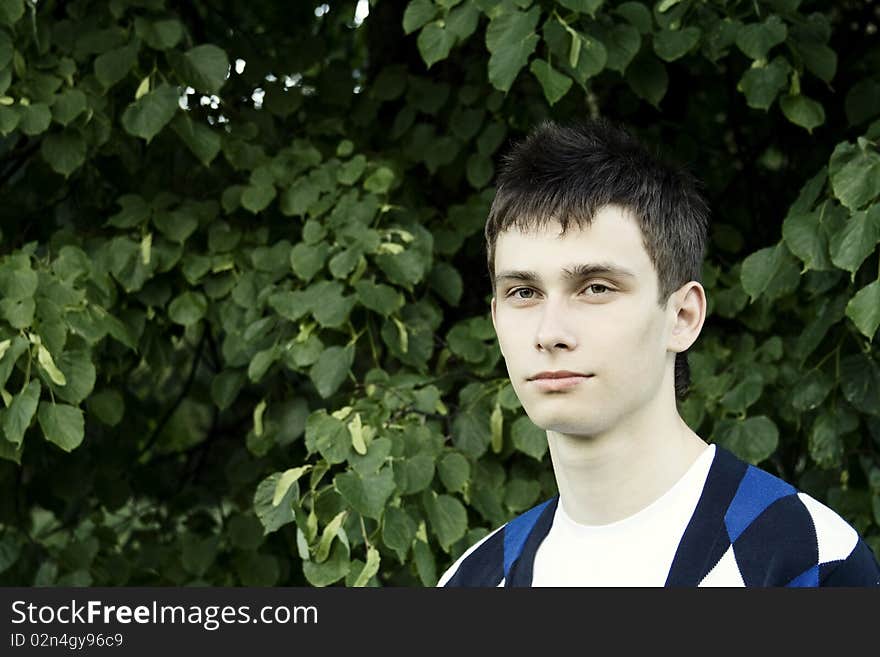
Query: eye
[(603, 289), (520, 289), (599, 285)]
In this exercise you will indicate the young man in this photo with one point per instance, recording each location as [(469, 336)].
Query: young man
[(595, 252)]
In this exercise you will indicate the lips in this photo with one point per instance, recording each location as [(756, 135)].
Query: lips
[(559, 374)]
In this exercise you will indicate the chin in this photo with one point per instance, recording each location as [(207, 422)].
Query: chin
[(565, 423)]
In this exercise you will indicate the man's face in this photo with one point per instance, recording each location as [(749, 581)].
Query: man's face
[(606, 324)]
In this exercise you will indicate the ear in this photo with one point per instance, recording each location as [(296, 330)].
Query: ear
[(688, 304)]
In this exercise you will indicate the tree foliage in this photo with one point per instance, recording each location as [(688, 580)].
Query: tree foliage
[(236, 344)]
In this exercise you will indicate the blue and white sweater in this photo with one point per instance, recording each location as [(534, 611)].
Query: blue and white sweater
[(749, 528)]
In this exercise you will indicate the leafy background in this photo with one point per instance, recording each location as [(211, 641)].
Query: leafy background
[(244, 330)]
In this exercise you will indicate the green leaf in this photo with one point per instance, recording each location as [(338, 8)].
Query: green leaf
[(350, 172), (447, 518), (462, 21), (201, 140), (62, 424), (114, 65), (479, 170), (582, 6), (19, 313), (287, 479), (647, 77), (666, 5), (805, 238), (6, 55), (860, 382), (674, 44), (637, 14), (11, 353), (435, 42), (824, 442), (11, 11), (592, 58), (446, 281), (770, 271), (377, 453), (204, 67), (528, 438), (146, 116), (819, 59), (378, 297), (554, 83), (108, 406), (271, 515), (744, 394), (334, 311), (188, 308), (855, 174), (21, 411), (398, 531), (811, 391), (68, 105), (454, 471), (17, 280), (622, 43), (802, 111), (198, 553), (520, 495), (261, 362), (416, 473), (9, 118), (371, 567), (334, 568), (864, 309), (65, 152), (307, 260), (225, 387), (329, 436), (496, 426), (380, 181), (331, 369), (417, 13), (366, 494), (426, 565), (10, 549), (763, 82), (160, 34), (470, 431), (79, 373), (753, 439), (296, 199), (756, 39), (850, 246), (511, 39), (34, 119), (863, 101), (176, 225)]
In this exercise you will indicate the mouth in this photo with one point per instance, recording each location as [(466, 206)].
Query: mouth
[(560, 383)]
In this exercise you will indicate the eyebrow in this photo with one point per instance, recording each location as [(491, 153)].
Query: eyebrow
[(573, 272)]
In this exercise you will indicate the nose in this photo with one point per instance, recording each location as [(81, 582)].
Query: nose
[(554, 329)]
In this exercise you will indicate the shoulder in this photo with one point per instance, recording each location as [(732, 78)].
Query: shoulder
[(480, 565), (780, 535), (489, 561)]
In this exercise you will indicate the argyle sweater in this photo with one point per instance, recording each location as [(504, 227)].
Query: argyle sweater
[(749, 528)]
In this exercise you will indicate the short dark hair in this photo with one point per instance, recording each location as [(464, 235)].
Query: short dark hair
[(567, 172)]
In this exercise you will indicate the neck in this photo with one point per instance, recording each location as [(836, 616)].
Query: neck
[(608, 476)]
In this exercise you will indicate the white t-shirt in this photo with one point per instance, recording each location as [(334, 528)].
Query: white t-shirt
[(635, 551)]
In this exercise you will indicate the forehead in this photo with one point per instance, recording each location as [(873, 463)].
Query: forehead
[(612, 237)]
